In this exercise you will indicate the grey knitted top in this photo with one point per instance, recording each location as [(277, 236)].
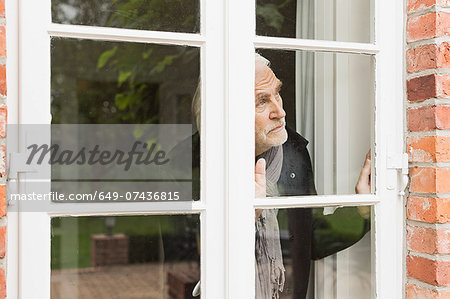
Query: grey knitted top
[(269, 260)]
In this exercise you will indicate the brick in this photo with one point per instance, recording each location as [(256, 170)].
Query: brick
[(421, 27), (442, 149), (109, 250), (416, 292), (2, 283), (428, 57), (429, 118), (429, 271), (421, 119), (431, 210), (2, 200), (2, 80), (416, 5), (423, 179), (2, 41), (421, 88), (2, 8), (435, 24), (429, 180), (442, 180), (2, 161), (2, 241), (428, 149), (3, 120), (426, 87), (443, 117), (443, 86), (421, 149), (428, 240)]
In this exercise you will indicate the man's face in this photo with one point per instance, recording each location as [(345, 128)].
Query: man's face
[(269, 114)]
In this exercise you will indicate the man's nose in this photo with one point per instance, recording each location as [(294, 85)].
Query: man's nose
[(277, 110)]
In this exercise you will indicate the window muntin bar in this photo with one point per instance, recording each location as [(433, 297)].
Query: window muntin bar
[(314, 45), (128, 35)]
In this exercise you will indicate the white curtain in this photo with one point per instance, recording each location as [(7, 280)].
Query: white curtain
[(305, 75)]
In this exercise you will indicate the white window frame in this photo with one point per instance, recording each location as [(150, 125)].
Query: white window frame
[(227, 42)]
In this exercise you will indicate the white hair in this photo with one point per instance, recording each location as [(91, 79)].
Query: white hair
[(260, 59), (196, 102)]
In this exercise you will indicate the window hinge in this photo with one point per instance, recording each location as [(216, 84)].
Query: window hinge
[(16, 164), (399, 162)]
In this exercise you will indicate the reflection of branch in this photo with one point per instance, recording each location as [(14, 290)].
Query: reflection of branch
[(286, 2), (271, 15)]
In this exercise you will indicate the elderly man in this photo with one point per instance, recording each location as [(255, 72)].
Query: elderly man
[(283, 167)]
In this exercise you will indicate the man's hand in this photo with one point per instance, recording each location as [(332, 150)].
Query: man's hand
[(260, 182), (363, 184)]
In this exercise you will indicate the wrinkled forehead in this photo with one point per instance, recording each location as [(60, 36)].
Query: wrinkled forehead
[(264, 77)]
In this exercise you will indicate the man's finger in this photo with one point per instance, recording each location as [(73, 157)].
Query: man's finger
[(366, 169), (363, 184), (260, 178), (260, 167)]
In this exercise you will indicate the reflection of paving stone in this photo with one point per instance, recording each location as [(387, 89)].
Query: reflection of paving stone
[(136, 281)]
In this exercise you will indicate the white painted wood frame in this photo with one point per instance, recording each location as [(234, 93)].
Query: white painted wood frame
[(227, 42)]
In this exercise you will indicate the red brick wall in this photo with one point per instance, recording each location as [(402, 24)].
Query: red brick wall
[(3, 114), (428, 144)]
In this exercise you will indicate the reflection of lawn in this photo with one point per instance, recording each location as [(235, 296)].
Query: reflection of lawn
[(343, 221), (334, 232), (337, 231), (71, 237)]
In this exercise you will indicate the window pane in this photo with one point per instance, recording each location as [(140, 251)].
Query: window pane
[(124, 256), (315, 253), (100, 82), (344, 20), (118, 83), (168, 15), (325, 104)]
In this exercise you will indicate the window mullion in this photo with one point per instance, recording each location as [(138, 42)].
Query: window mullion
[(240, 26), (388, 220), (213, 153)]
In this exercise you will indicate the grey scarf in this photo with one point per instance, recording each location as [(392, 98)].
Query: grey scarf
[(269, 260)]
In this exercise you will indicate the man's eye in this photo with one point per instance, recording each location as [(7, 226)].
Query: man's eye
[(261, 103), (277, 93)]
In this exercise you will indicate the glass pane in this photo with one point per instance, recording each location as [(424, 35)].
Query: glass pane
[(315, 130), (117, 83), (314, 253), (125, 256), (168, 15), (338, 20)]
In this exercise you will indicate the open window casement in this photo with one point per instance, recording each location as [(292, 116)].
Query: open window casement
[(340, 63)]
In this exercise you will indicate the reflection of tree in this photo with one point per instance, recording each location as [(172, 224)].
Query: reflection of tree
[(110, 82), (113, 82), (273, 15), (136, 66), (165, 15), (276, 17)]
